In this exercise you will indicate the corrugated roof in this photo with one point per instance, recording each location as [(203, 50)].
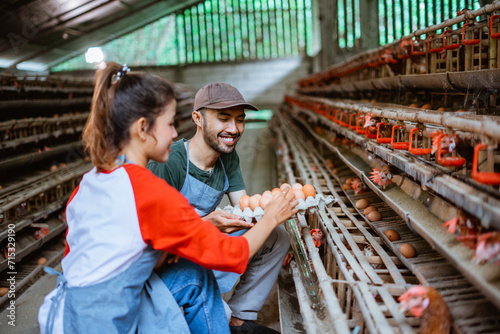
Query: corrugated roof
[(38, 34)]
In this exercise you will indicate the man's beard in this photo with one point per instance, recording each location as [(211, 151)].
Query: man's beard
[(212, 139)]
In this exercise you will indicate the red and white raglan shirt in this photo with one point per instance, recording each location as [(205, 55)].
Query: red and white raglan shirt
[(113, 217)]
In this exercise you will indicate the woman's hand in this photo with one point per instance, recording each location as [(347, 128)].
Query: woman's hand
[(282, 207)]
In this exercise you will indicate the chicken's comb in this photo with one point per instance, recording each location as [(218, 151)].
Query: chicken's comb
[(414, 290)]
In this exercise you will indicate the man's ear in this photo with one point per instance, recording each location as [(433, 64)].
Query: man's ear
[(197, 118)]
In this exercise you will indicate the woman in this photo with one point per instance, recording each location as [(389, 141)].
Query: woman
[(121, 217)]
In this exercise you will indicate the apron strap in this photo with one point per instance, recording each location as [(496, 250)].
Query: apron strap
[(56, 299)]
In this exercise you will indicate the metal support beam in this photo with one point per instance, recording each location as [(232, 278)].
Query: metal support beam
[(369, 24), (328, 27)]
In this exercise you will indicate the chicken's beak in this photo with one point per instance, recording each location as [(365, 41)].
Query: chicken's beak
[(403, 307)]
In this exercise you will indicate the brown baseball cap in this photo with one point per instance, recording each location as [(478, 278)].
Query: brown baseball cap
[(220, 95)]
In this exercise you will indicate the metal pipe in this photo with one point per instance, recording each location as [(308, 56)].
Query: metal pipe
[(487, 126)]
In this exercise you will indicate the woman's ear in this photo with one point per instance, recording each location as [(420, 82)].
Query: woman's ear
[(197, 118), (138, 129)]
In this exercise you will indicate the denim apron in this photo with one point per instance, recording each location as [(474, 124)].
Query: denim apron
[(205, 199), (134, 301)]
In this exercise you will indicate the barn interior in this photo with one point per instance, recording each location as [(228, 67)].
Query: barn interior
[(389, 109)]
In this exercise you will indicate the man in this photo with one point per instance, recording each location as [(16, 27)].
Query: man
[(205, 168)]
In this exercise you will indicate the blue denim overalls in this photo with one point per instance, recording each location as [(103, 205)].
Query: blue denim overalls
[(205, 200)]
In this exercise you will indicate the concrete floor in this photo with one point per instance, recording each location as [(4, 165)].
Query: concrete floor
[(257, 165)]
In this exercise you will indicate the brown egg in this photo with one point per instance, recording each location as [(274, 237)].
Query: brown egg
[(267, 193), (53, 168), (264, 201), (297, 186), (244, 202), (253, 202), (413, 105), (392, 235), (407, 250), (335, 171), (299, 194), (369, 209), (41, 261), (257, 195), (285, 187), (346, 186), (275, 192), (3, 291), (441, 109), (374, 216), (362, 204), (427, 106), (309, 190)]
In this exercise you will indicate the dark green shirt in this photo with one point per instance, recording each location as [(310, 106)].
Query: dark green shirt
[(174, 170)]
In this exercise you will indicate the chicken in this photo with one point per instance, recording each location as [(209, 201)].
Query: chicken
[(382, 177), (468, 229), (426, 303), (371, 122), (317, 236), (288, 259), (488, 248), (452, 143), (358, 186)]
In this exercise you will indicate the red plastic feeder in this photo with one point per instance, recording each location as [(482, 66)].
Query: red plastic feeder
[(360, 125), (415, 150), (403, 46), (352, 121), (494, 35), (447, 161), (450, 46), (472, 41), (344, 120), (380, 139), (490, 178), (398, 145), (336, 116), (433, 50), (417, 53)]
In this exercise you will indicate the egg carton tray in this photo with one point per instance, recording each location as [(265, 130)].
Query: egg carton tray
[(312, 203)]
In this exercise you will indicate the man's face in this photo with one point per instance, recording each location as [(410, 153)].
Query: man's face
[(222, 128)]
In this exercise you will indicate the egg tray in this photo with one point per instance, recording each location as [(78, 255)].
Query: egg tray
[(319, 202)]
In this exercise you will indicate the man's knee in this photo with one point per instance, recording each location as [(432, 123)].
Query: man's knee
[(282, 238)]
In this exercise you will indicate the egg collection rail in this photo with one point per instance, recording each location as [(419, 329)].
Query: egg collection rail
[(366, 270), (448, 58)]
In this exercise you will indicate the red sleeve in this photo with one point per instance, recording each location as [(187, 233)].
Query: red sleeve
[(66, 250), (168, 222)]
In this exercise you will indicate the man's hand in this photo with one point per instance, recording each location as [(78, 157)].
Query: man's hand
[(165, 258), (227, 222)]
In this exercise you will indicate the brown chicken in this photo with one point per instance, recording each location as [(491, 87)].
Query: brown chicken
[(426, 303), (488, 248)]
